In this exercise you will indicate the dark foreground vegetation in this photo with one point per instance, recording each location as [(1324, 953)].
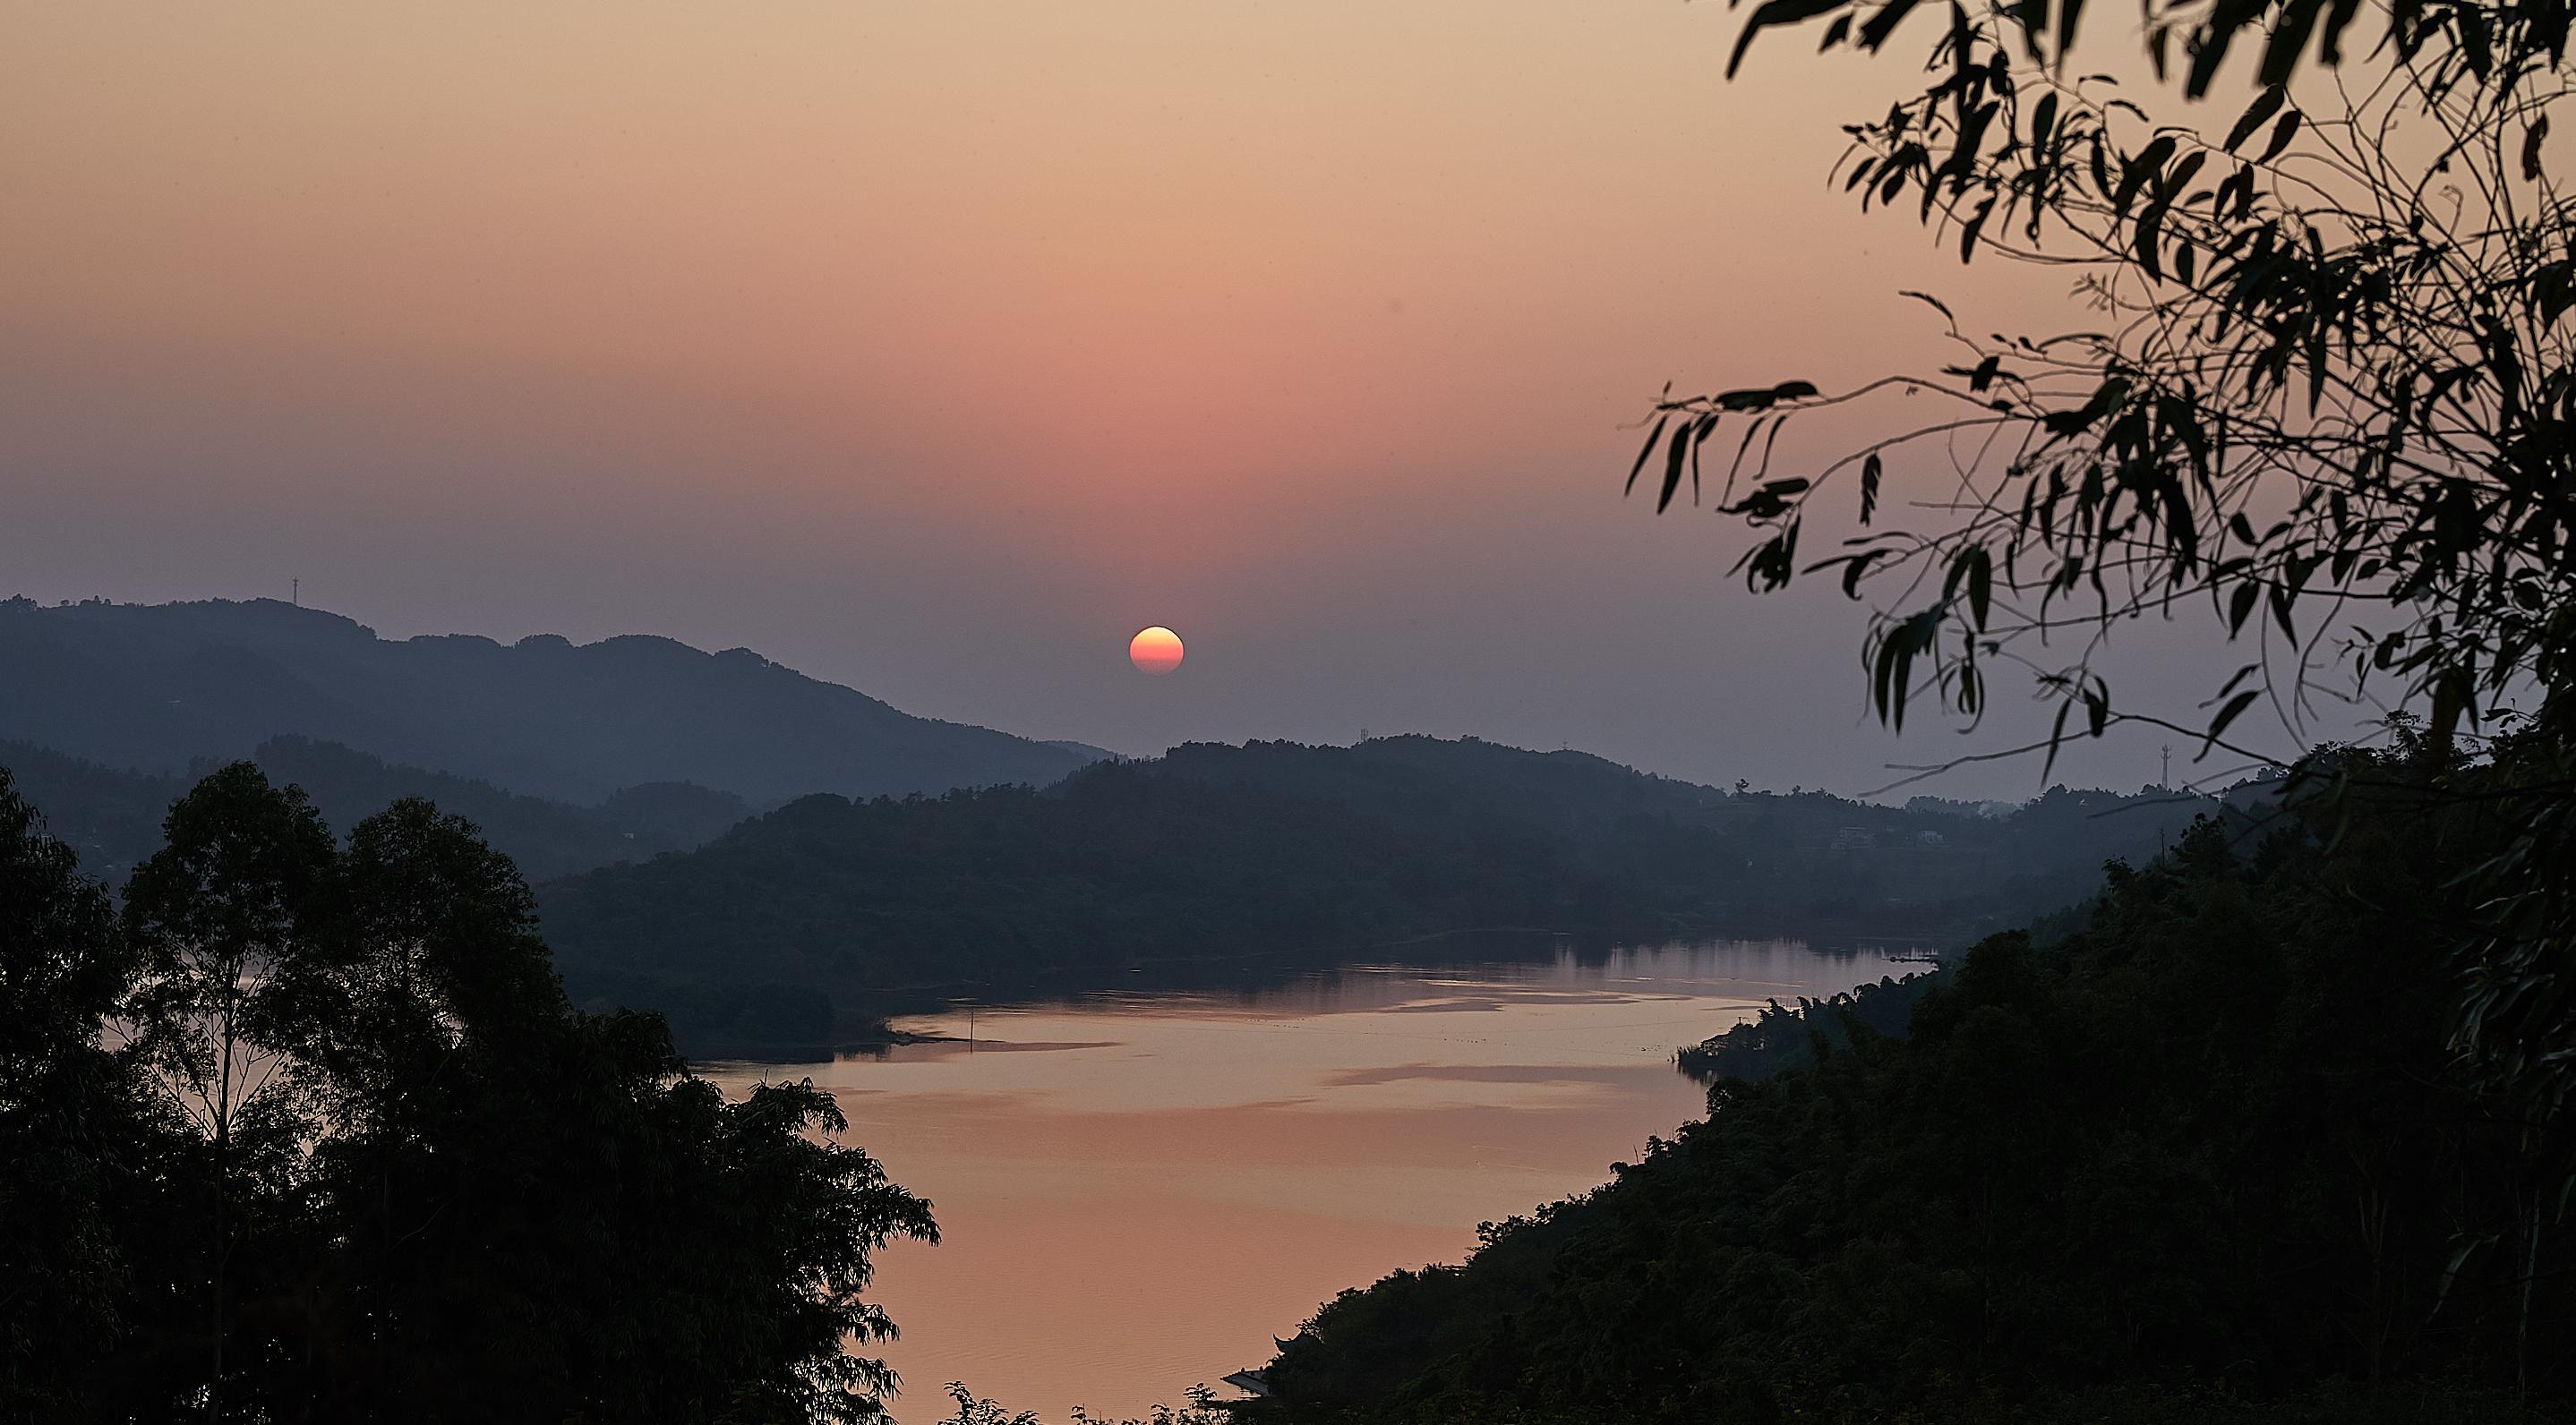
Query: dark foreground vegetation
[(307, 1131), (2206, 1158), (1218, 851)]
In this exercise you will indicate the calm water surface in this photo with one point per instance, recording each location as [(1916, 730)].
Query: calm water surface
[(1137, 1191)]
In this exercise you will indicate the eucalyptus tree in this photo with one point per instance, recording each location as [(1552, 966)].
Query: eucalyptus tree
[(2320, 389), (311, 1132), (213, 917), (545, 1207)]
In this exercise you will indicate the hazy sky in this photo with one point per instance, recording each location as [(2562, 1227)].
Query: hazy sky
[(937, 347)]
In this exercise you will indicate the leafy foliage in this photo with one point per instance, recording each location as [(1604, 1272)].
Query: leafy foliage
[(315, 1135), (81, 1138), (2324, 389), (972, 1409), (1781, 1039)]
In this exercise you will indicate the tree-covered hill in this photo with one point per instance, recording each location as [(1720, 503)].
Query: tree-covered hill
[(107, 817), (544, 838), (160, 687), (1803, 858), (111, 818), (1211, 852), (1217, 851), (2207, 1158), (1122, 865)]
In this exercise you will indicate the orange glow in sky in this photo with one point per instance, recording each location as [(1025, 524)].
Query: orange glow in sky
[(911, 343)]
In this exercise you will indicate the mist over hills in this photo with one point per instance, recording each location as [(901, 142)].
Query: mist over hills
[(160, 687), (620, 774), (112, 817)]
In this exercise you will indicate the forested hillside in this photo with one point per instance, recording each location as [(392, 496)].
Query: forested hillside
[(1219, 851), (162, 686), (1806, 859), (2207, 1158), (112, 818), (756, 935)]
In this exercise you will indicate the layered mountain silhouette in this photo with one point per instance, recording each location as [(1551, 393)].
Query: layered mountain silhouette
[(112, 817), (623, 775), (1214, 851), (161, 687)]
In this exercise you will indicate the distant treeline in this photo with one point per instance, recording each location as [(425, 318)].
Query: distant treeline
[(2200, 1155), (773, 935), (1781, 1039), (1218, 851)]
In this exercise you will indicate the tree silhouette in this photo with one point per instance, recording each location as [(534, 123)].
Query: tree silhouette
[(2323, 391), (409, 1181), (214, 916)]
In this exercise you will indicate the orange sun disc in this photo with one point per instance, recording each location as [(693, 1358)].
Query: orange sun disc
[(1156, 650)]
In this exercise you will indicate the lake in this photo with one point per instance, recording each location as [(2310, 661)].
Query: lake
[(1138, 1189)]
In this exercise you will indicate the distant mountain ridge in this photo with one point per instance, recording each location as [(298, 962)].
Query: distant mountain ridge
[(159, 687)]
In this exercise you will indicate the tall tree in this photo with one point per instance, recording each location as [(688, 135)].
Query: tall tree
[(236, 893), (545, 1207), (418, 1184), (74, 1130)]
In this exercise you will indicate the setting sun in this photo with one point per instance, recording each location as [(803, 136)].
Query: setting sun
[(1156, 650)]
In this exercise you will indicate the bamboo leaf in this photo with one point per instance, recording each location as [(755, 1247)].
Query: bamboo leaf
[(2282, 133), (1646, 450), (2226, 715), (2265, 105), (1773, 13), (1673, 462)]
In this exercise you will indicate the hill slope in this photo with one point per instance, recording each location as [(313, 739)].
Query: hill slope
[(2112, 1179), (112, 818), (1214, 851), (158, 687)]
